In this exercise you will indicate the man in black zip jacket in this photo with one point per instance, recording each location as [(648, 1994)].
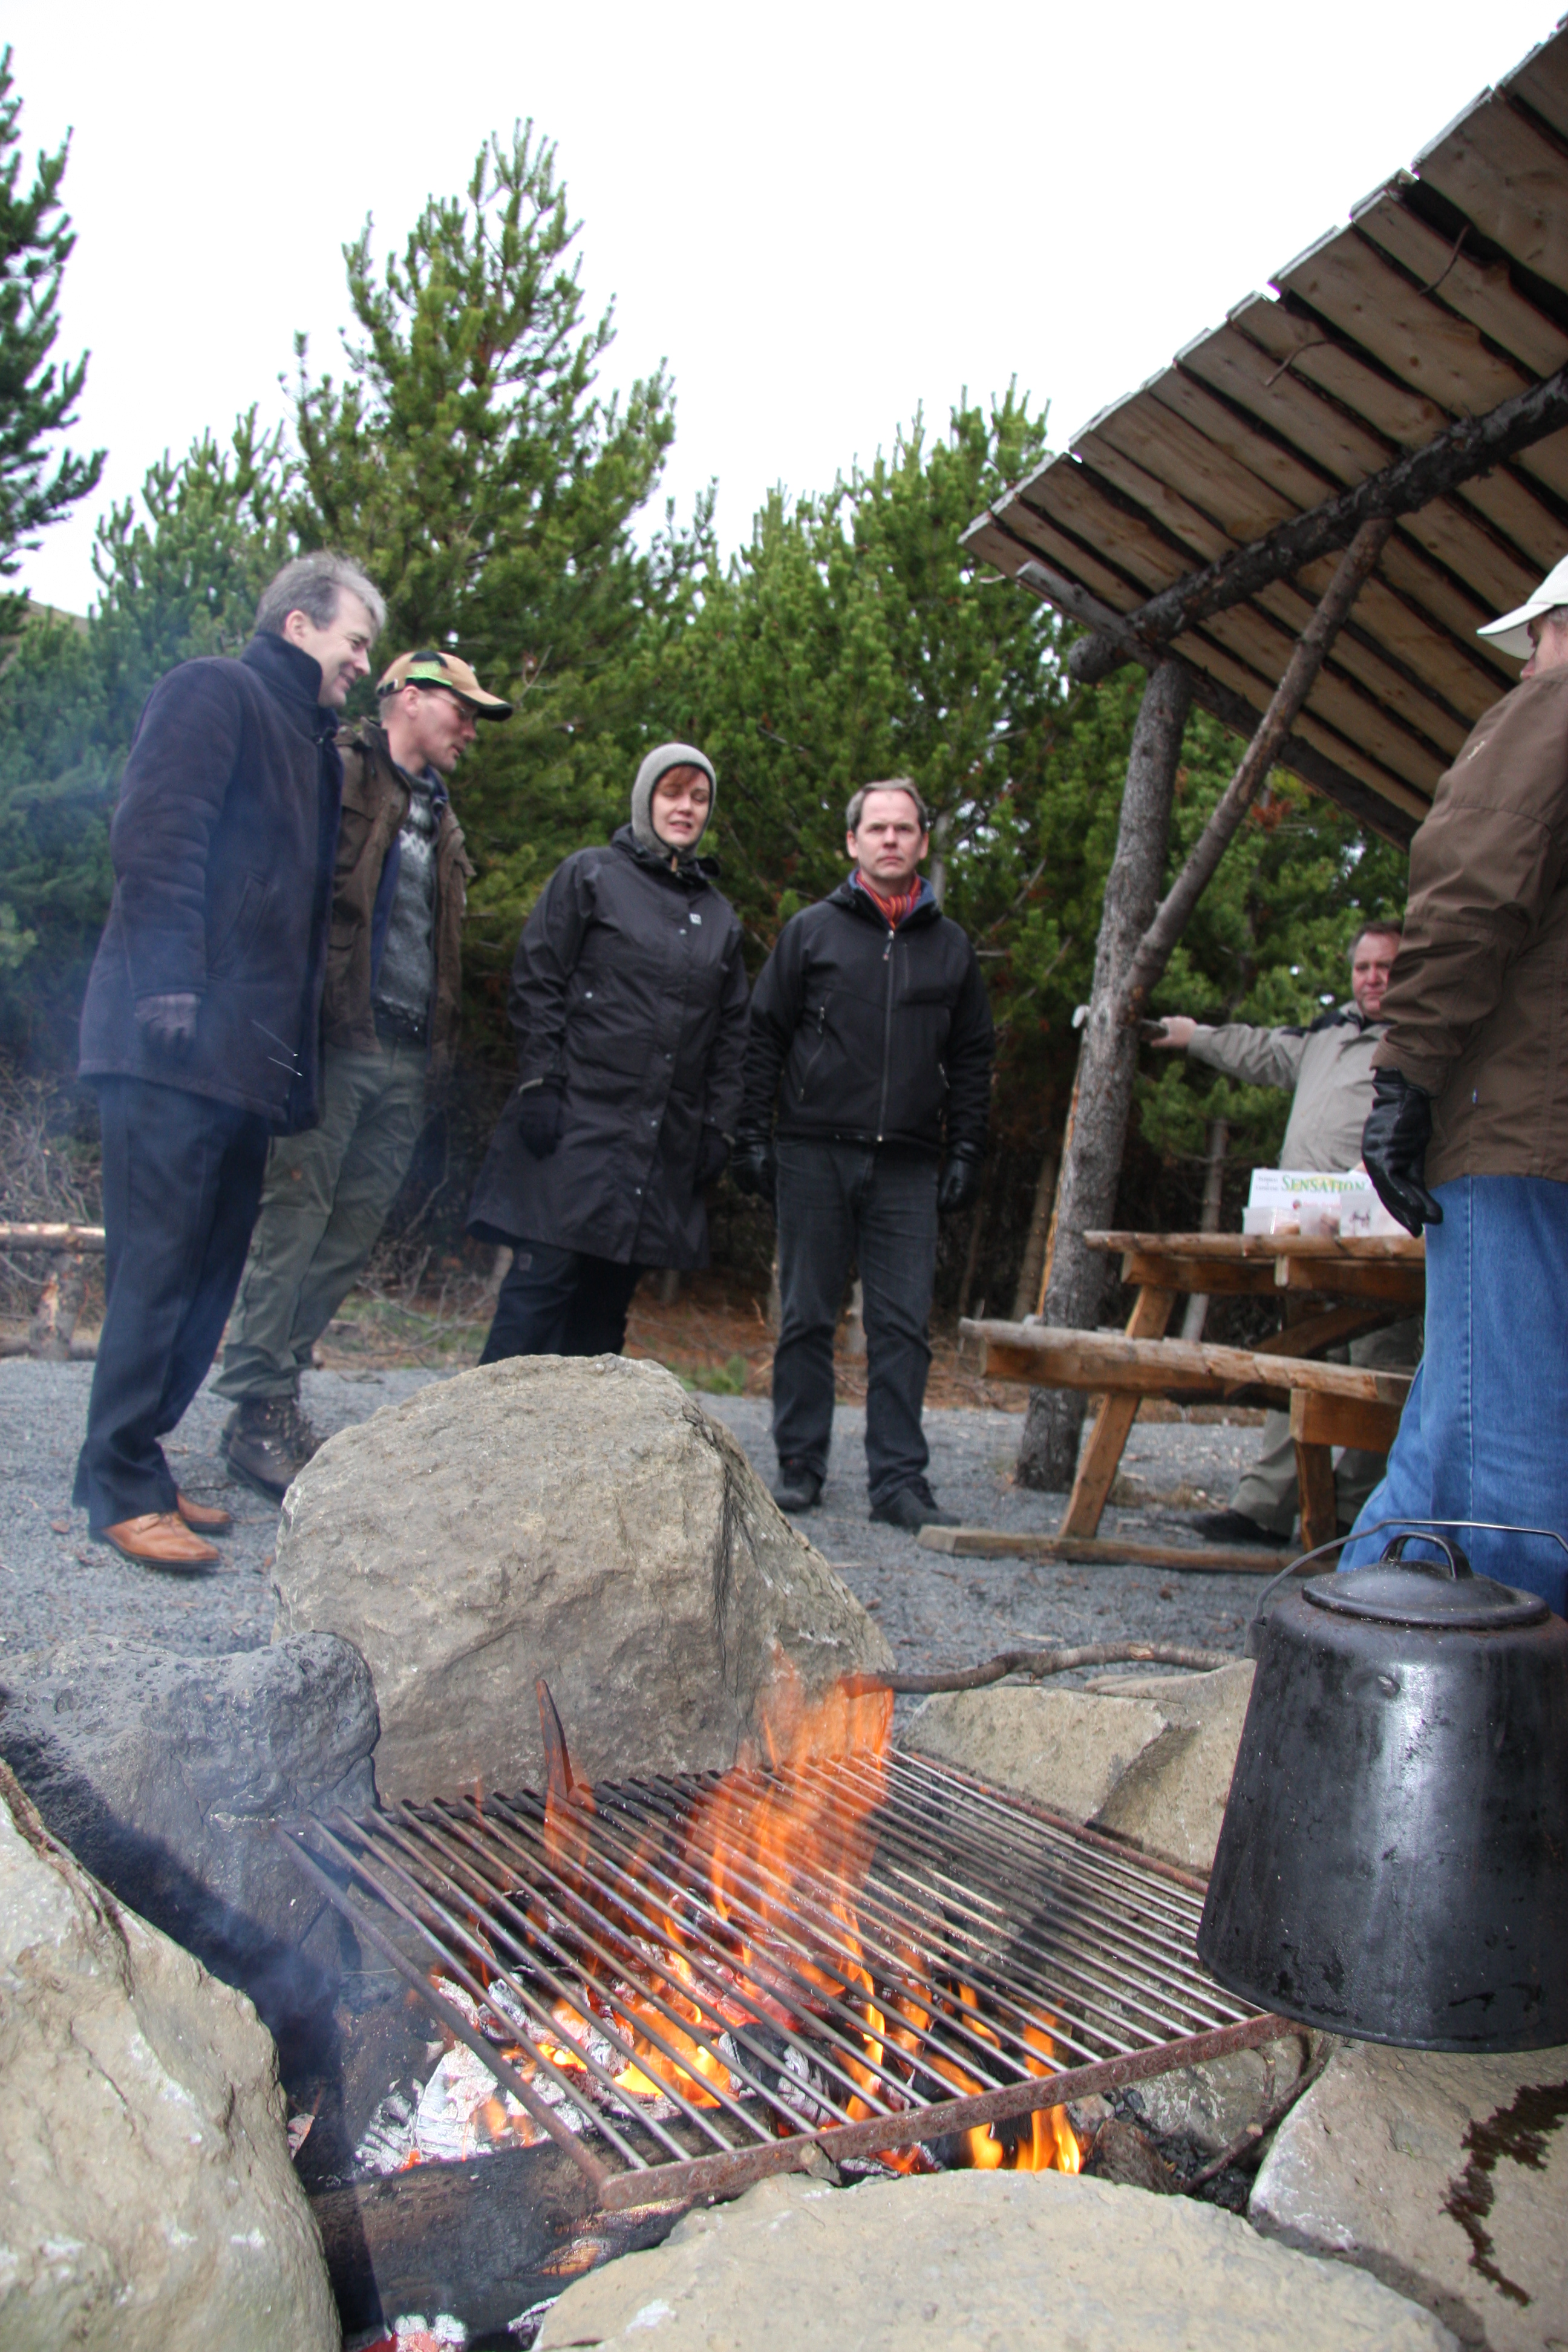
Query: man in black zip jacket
[(199, 1033), (872, 1033)]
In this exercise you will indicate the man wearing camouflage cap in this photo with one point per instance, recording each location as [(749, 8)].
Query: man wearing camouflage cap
[(389, 1024)]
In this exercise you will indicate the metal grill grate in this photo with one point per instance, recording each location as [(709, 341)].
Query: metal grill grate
[(686, 1982)]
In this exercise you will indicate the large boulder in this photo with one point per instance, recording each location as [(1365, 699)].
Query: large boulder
[(165, 1774), (978, 2259), (578, 1519), (1149, 1757), (147, 2202), (1444, 2177)]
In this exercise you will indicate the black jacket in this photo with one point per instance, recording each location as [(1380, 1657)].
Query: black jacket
[(879, 1037), (223, 843), (628, 988)]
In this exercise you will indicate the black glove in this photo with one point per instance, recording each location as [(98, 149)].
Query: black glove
[(1393, 1147), (959, 1185), (542, 1116), (753, 1167), (712, 1153), (170, 1020)]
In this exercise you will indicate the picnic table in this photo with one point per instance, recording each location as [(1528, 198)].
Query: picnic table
[(1332, 1288)]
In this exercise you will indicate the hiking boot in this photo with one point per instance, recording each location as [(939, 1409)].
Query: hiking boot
[(1234, 1527), (799, 1487), (266, 1442), (914, 1507)]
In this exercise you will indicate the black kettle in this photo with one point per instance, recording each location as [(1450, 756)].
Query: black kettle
[(1394, 1861)]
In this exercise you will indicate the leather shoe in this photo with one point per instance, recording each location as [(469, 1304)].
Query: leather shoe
[(1236, 1527), (159, 1539), (205, 1518), (914, 1507), (799, 1488)]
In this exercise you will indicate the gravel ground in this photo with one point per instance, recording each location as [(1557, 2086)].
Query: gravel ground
[(56, 1585)]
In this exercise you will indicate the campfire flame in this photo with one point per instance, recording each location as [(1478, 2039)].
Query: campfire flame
[(769, 1868)]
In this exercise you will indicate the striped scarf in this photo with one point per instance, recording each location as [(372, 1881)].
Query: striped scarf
[(895, 908)]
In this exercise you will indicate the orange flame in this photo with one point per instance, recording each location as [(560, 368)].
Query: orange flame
[(778, 1856)]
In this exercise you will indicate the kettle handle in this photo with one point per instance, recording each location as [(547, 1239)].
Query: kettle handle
[(1457, 1561)]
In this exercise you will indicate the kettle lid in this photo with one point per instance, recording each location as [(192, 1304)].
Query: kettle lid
[(1436, 1593)]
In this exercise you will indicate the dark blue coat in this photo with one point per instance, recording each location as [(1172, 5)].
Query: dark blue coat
[(223, 843), (628, 990)]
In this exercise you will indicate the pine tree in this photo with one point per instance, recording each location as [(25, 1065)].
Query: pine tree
[(469, 462), (37, 399), (179, 572)]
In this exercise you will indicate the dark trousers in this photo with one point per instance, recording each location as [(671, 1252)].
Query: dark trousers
[(838, 1203), (182, 1179), (561, 1302)]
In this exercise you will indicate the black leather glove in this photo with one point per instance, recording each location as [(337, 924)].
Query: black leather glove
[(753, 1167), (712, 1153), (170, 1022), (542, 1117), (1393, 1146), (958, 1186)]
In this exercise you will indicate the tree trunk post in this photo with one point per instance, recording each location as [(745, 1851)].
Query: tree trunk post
[(1092, 1162), (1027, 1296)]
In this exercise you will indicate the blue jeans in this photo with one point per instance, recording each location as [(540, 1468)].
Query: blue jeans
[(1484, 1434), (840, 1204)]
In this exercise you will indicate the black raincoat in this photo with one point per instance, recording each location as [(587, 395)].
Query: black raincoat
[(628, 988)]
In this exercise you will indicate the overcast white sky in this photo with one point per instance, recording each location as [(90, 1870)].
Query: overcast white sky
[(820, 215)]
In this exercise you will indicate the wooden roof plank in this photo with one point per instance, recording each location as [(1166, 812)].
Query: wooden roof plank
[(1167, 505), (1070, 496), (1537, 533), (1024, 522), (1234, 363), (1244, 680), (1284, 469), (1391, 684), (1256, 638), (1348, 282), (1506, 176), (1153, 436), (1542, 81), (1481, 291)]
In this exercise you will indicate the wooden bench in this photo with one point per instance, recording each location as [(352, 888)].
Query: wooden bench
[(1333, 1289)]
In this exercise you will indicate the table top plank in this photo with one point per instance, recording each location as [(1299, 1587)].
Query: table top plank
[(1404, 1249)]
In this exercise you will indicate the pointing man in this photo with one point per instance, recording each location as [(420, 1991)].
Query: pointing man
[(871, 1034)]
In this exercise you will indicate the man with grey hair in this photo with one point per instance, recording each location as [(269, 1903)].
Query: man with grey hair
[(199, 1032), (871, 1038)]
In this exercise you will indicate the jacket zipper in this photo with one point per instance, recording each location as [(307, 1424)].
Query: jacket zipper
[(887, 1034)]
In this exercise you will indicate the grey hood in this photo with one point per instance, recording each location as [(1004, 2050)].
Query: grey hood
[(668, 755)]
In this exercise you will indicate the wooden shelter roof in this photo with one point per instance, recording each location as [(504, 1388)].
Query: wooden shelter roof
[(1445, 298)]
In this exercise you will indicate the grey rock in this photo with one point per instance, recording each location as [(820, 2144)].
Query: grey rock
[(1212, 2104), (582, 1521), (1066, 1748), (969, 2261), (1149, 1757), (164, 1775), (147, 2202), (1173, 1798), (1445, 2177)]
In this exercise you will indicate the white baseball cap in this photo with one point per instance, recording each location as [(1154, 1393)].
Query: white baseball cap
[(1511, 633)]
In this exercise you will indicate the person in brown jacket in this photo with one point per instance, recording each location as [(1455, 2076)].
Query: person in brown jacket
[(389, 1023), (1467, 1136)]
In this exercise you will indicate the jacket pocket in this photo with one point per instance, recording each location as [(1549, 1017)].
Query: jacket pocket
[(806, 1050)]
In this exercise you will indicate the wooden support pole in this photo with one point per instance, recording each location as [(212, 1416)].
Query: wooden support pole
[(1218, 1141), (1175, 910), (1472, 445), (1091, 1160)]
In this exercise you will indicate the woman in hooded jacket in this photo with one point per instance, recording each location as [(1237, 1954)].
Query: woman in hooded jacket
[(628, 997)]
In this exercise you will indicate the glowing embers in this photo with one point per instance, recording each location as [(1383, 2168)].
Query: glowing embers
[(844, 1943)]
